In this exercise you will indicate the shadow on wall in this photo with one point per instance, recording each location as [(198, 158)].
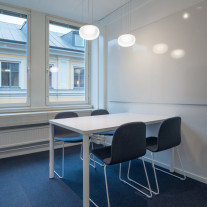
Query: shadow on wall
[(164, 157), (191, 152)]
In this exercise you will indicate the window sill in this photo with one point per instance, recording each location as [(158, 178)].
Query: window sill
[(35, 115), (18, 110)]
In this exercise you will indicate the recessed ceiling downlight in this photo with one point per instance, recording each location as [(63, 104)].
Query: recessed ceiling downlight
[(126, 40), (89, 32)]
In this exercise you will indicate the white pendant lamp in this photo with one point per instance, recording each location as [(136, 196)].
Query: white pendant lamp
[(127, 40), (89, 31)]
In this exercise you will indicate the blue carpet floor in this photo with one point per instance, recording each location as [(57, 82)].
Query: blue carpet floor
[(24, 182)]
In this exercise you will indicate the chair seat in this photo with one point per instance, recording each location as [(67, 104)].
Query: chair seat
[(70, 139), (109, 133), (103, 154), (152, 144)]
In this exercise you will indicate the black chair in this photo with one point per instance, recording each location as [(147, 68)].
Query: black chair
[(169, 136), (64, 135), (102, 112), (98, 112), (129, 142)]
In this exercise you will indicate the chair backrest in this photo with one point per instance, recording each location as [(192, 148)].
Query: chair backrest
[(62, 132), (129, 142), (169, 134), (99, 112)]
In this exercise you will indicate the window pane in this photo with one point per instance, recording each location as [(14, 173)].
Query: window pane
[(10, 74), (13, 61), (15, 79), (5, 78), (66, 57), (79, 77)]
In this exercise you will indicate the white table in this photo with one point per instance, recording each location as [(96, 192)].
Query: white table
[(91, 124)]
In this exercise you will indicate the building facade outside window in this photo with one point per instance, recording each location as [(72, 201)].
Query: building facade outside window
[(13, 58), (67, 79)]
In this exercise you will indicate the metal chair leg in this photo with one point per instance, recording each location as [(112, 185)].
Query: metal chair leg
[(93, 159), (81, 153), (93, 202), (149, 187), (155, 175), (179, 177), (63, 161), (124, 181), (107, 192), (62, 164)]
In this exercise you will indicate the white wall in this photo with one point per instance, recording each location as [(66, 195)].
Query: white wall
[(146, 15)]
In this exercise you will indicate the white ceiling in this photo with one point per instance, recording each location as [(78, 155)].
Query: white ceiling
[(72, 9)]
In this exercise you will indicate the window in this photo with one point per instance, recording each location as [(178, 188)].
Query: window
[(13, 58), (9, 74), (67, 71), (79, 77)]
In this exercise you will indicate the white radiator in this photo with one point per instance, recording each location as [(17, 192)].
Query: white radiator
[(23, 136), (15, 139)]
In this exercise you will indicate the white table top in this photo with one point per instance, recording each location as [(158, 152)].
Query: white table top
[(92, 124)]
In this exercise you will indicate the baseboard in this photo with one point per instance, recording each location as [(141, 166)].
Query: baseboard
[(31, 148), (158, 163), (177, 170), (192, 175)]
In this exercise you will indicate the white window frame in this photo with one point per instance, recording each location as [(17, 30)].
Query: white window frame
[(87, 63), (28, 57)]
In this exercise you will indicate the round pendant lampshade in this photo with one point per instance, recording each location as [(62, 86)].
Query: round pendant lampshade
[(126, 40), (89, 32)]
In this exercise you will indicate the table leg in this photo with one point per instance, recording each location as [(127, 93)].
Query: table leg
[(86, 171), (51, 164)]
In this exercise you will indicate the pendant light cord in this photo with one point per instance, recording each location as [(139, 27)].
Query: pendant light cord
[(130, 15), (88, 13), (82, 11), (92, 12)]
